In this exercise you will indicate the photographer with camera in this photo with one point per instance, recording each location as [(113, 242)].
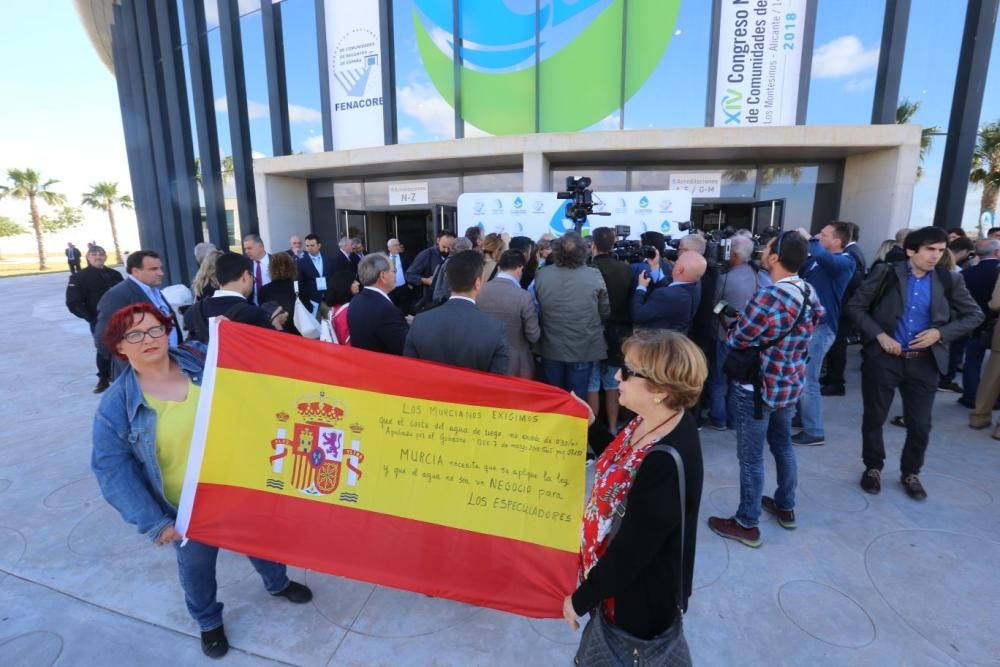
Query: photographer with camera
[(767, 364), (733, 292), (670, 306), (653, 246)]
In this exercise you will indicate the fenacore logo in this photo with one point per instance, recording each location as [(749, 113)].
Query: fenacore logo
[(732, 106), (498, 58), (354, 61)]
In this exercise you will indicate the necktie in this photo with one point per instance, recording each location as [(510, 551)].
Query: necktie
[(258, 281)]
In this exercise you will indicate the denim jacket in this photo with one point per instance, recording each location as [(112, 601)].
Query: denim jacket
[(124, 455)]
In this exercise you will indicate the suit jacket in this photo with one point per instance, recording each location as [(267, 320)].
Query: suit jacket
[(981, 279), (954, 318), (343, 263), (85, 289), (375, 324), (665, 307), (510, 304), (123, 294), (459, 334), (308, 276)]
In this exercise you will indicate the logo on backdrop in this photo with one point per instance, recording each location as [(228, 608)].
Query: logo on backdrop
[(354, 61), (498, 58)]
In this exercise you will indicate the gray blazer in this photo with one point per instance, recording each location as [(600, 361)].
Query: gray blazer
[(572, 304), (458, 334), (954, 318), (512, 305)]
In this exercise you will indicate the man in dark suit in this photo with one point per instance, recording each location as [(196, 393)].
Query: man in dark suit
[(908, 313), (836, 358), (457, 333), (374, 322), (357, 252), (73, 258), (980, 280), (315, 269), (142, 283), (343, 259), (669, 306), (236, 283), (505, 299), (420, 273), (84, 292)]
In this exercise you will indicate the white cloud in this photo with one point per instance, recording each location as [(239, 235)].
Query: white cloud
[(423, 102), (406, 134), (300, 114), (313, 144), (861, 85), (256, 155), (843, 57), (255, 109)]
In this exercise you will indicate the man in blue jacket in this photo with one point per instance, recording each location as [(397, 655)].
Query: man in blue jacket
[(828, 270), (669, 306)]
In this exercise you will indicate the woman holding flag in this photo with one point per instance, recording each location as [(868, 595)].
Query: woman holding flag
[(141, 437), (639, 525)]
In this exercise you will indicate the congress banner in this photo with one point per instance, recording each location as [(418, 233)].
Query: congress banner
[(759, 58), (536, 213), (399, 472), (354, 67)]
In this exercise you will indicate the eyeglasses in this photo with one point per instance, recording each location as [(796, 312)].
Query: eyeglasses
[(138, 336), (629, 373)]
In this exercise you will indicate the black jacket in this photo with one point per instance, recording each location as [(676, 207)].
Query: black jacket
[(375, 324), (981, 279), (282, 292), (85, 289), (640, 567), (235, 308), (878, 304), (342, 262), (443, 335)]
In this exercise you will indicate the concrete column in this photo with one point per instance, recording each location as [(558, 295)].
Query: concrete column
[(878, 193), (536, 172), (282, 209)]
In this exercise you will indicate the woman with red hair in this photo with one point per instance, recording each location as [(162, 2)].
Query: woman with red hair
[(142, 435)]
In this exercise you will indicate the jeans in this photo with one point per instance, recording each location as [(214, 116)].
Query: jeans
[(776, 428), (811, 402), (975, 352), (196, 567), (719, 411), (569, 375)]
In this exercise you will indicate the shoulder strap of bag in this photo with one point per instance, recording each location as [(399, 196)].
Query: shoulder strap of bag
[(806, 296)]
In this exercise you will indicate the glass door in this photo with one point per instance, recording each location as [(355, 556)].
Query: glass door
[(353, 224), (446, 218), (767, 214)]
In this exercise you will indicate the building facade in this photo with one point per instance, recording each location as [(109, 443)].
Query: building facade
[(371, 118)]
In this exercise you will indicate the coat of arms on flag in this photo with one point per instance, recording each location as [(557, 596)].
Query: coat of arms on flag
[(313, 458)]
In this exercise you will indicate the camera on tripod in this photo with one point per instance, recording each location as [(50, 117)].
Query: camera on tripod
[(581, 201)]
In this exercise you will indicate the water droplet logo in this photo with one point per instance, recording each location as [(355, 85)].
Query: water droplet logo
[(498, 56), (497, 204), (518, 202), (665, 227), (644, 202)]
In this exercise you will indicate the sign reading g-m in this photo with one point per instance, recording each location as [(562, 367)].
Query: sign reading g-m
[(759, 48)]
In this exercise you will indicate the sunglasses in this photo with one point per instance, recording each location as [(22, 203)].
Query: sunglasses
[(629, 373)]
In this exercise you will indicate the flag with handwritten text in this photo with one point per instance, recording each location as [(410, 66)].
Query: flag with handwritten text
[(405, 473)]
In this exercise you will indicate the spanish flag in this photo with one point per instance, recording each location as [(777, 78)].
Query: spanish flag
[(404, 473)]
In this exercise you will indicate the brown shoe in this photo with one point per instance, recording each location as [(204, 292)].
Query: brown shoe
[(913, 487), (786, 518), (871, 481), (979, 423), (102, 384), (729, 529)]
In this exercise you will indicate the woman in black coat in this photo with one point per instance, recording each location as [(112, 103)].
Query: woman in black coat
[(281, 289)]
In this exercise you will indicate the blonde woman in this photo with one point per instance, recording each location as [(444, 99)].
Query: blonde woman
[(493, 247), (205, 283)]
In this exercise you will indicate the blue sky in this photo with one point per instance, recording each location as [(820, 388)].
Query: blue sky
[(63, 116)]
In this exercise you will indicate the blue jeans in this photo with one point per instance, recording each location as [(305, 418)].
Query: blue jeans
[(776, 428), (196, 567), (569, 375), (975, 352), (719, 410), (811, 402)]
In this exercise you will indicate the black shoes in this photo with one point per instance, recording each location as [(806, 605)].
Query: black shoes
[(871, 481), (295, 592), (913, 487), (951, 386), (214, 643), (102, 384)]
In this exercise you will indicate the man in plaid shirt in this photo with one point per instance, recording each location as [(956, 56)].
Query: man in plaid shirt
[(772, 314)]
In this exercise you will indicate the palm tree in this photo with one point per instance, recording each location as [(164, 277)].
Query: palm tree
[(904, 112), (104, 196), (28, 184), (767, 176), (986, 166)]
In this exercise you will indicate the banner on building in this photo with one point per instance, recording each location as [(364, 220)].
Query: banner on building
[(399, 472), (354, 67), (536, 213), (759, 50)]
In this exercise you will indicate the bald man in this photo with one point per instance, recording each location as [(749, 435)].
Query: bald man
[(669, 306)]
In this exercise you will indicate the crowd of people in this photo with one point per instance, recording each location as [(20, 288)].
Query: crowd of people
[(657, 349)]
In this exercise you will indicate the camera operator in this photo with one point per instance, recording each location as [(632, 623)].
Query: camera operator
[(670, 306), (653, 245), (733, 291), (618, 327)]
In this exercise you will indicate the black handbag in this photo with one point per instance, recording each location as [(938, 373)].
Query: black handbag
[(743, 365), (604, 644)]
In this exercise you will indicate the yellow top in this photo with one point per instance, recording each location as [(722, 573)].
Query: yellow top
[(174, 426)]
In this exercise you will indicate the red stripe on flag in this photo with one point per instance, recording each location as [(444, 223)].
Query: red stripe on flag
[(483, 570), (256, 350)]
